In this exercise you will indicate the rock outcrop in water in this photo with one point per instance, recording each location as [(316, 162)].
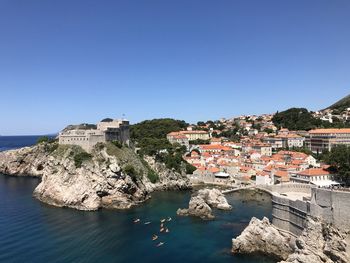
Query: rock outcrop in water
[(201, 202), (319, 243), (110, 177), (260, 236)]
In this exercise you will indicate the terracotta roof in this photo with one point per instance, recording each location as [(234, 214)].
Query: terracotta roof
[(314, 172), (281, 173), (319, 131), (214, 170), (215, 147), (179, 136)]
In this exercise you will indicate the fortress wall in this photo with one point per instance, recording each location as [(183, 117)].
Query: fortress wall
[(291, 187), (330, 205), (333, 206), (289, 215)]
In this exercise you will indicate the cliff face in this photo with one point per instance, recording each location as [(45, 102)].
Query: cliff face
[(168, 179), (262, 237), (102, 180), (319, 243), (27, 161)]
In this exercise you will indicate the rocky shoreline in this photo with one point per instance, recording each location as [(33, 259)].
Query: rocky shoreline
[(103, 179), (319, 242)]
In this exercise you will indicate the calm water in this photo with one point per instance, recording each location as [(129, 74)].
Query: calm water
[(34, 232), (13, 142)]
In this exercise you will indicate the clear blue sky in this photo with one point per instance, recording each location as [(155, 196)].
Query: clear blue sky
[(67, 61)]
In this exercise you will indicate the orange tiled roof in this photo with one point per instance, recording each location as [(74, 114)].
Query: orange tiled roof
[(215, 147), (281, 173), (214, 170), (320, 131), (314, 172)]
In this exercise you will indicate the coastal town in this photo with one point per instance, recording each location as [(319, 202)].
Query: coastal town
[(260, 154)]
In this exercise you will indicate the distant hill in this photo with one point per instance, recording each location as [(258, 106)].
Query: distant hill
[(296, 119), (341, 105)]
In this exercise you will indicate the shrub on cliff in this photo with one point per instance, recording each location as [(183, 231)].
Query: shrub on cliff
[(80, 157), (46, 139), (152, 176), (117, 143), (131, 171)]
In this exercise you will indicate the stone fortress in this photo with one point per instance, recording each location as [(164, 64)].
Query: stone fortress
[(292, 203), (88, 135)]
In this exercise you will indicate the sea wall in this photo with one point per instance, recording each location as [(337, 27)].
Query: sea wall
[(289, 215), (332, 206)]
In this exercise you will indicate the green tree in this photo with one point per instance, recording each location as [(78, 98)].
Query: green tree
[(339, 160), (190, 168), (42, 139)]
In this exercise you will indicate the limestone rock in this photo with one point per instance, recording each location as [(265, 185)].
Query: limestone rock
[(197, 207), (260, 236), (320, 243), (27, 161), (201, 202), (97, 183), (214, 198), (168, 179)]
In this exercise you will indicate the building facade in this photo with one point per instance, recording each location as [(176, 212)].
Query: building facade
[(324, 139), (191, 135), (107, 130)]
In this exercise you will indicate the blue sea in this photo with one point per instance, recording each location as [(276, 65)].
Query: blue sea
[(31, 231), (14, 142)]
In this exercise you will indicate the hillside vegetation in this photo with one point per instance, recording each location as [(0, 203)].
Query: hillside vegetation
[(341, 105), (150, 137), (302, 119)]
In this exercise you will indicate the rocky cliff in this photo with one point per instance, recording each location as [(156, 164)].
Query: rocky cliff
[(319, 242), (111, 177), (260, 236)]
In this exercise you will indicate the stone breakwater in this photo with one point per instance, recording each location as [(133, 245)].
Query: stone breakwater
[(99, 182), (202, 202)]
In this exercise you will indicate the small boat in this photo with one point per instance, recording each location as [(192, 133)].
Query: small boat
[(167, 230), (162, 220), (162, 229), (160, 244), (137, 220), (169, 219), (147, 223), (155, 237), (161, 225)]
